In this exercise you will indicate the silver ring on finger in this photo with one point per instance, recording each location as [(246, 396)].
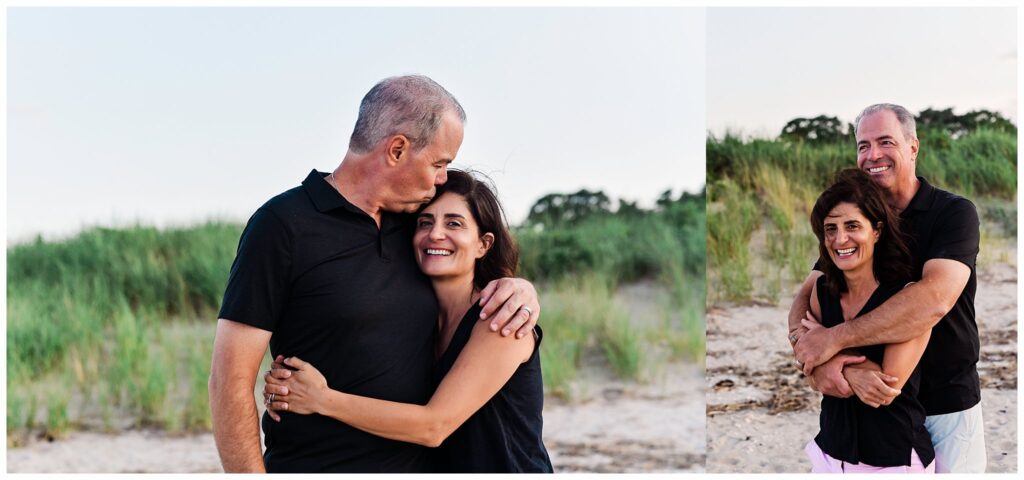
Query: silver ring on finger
[(271, 399), (528, 311)]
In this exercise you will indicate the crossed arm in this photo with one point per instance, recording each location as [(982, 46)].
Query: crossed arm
[(482, 368), (906, 316), (873, 384)]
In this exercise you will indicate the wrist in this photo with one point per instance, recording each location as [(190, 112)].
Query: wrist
[(838, 336), (320, 401)]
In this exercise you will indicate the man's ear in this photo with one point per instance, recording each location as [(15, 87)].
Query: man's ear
[(398, 148), (486, 242)]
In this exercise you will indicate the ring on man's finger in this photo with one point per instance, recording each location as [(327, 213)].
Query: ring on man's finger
[(528, 311), (792, 339), (271, 398)]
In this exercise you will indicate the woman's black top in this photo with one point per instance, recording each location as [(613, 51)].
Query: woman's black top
[(854, 432), (504, 436)]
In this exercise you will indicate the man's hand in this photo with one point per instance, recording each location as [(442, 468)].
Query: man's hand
[(510, 304), (871, 386), (828, 379), (814, 347)]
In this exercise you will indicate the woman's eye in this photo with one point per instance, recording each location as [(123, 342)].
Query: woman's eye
[(424, 224), (454, 224)]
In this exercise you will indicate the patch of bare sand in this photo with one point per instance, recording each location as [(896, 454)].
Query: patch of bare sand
[(625, 427), (760, 413)]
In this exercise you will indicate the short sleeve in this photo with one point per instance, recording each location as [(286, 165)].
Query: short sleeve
[(257, 289), (957, 234)]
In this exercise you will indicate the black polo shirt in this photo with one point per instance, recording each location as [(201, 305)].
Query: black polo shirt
[(348, 298), (945, 225), (940, 224)]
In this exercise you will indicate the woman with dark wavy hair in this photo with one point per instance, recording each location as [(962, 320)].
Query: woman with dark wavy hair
[(485, 414), (865, 261)]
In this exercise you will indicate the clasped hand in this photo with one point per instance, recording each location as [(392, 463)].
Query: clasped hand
[(297, 390)]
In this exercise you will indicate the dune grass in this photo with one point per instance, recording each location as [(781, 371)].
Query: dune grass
[(113, 328), (761, 192)]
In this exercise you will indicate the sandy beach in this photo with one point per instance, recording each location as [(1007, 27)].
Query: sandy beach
[(614, 427), (761, 413)]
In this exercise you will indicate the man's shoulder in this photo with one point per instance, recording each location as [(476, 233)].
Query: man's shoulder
[(945, 203), (285, 204)]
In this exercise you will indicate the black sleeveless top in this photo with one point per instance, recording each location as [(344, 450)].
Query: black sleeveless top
[(854, 432), (504, 436)]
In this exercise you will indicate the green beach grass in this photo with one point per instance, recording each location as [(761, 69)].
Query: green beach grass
[(113, 328)]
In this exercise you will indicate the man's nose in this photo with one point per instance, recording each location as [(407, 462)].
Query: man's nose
[(875, 153), (441, 177)]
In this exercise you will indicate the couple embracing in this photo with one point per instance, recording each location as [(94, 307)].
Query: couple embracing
[(386, 292), (884, 326)]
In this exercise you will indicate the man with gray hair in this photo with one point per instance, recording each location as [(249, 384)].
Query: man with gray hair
[(326, 272), (944, 232)]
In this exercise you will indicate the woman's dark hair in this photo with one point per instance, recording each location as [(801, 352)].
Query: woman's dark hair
[(502, 259), (891, 261)]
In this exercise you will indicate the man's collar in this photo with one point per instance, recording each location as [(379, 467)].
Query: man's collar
[(325, 198), (922, 199)]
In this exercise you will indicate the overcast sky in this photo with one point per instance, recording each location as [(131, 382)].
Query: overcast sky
[(170, 116), (767, 66)]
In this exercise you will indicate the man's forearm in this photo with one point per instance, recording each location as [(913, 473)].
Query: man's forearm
[(801, 303), (910, 313), (236, 429), (907, 315)]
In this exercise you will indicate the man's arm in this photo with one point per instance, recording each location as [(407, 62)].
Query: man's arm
[(801, 305), (907, 315), (237, 352), (510, 304)]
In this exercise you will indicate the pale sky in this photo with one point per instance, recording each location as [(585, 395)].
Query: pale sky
[(170, 116), (767, 66)]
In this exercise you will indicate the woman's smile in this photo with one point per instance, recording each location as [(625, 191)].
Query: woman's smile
[(850, 236)]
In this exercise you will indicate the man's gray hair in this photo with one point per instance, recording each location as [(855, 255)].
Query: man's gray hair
[(410, 105), (904, 116)]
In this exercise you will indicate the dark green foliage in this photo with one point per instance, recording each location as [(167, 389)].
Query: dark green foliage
[(956, 126), (627, 245), (820, 129), (568, 208)]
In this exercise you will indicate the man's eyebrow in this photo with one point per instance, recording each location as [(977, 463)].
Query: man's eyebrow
[(883, 137)]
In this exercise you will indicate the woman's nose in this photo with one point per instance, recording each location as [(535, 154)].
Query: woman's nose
[(436, 232)]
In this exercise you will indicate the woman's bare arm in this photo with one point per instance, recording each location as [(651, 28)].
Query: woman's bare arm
[(485, 364)]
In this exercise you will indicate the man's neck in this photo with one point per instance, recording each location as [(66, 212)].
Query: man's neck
[(900, 197), (355, 181)]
